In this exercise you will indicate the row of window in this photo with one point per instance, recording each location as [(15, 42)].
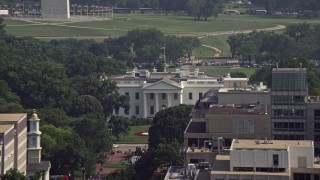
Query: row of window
[(164, 95), (288, 126), (288, 112)]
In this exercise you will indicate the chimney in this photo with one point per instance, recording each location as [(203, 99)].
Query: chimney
[(277, 65)]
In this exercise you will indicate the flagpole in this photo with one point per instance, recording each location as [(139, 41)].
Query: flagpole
[(164, 58)]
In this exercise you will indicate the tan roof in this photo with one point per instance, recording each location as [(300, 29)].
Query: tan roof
[(249, 173), (5, 128), (288, 69), (272, 144), (12, 117)]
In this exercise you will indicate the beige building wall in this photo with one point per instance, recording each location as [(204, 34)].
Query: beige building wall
[(224, 126), (17, 139)]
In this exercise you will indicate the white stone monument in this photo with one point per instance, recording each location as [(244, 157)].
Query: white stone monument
[(55, 9)]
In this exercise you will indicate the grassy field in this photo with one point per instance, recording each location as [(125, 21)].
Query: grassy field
[(169, 25), (131, 138), (217, 41), (177, 25)]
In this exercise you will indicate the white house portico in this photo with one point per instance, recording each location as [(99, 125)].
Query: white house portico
[(162, 94)]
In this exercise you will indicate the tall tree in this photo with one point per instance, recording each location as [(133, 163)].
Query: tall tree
[(202, 9), (168, 125), (119, 125)]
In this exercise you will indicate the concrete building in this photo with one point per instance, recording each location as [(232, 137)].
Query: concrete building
[(241, 115), (13, 142), (150, 92), (289, 95), (277, 159), (55, 9)]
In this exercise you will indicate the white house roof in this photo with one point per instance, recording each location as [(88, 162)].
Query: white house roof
[(163, 84)]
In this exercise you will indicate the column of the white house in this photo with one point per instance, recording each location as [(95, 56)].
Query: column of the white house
[(181, 98), (145, 106), (156, 103), (169, 97)]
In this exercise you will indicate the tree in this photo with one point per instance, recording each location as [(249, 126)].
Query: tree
[(13, 174), (66, 150), (298, 31), (86, 104), (92, 126), (238, 75), (119, 126), (105, 90), (202, 9), (235, 42), (168, 125), (2, 31)]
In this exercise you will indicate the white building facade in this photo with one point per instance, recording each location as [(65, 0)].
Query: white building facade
[(150, 92), (265, 159)]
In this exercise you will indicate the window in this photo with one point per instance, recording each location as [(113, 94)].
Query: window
[(137, 110), (152, 110), (276, 159), (190, 95), (317, 114), (152, 96), (34, 142), (137, 95), (164, 96), (175, 96), (127, 94), (200, 95), (316, 127)]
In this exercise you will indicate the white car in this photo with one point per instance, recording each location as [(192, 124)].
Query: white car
[(115, 145)]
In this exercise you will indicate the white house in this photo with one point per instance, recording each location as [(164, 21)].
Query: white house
[(150, 92)]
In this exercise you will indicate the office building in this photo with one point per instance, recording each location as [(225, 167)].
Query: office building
[(266, 159), (13, 142)]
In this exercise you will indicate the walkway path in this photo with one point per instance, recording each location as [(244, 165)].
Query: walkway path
[(218, 51), (123, 151)]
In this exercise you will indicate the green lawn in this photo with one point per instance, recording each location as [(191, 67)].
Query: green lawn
[(213, 71), (219, 42), (131, 138), (177, 25)]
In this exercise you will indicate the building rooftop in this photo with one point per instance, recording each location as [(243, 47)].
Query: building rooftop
[(269, 144), (5, 128), (231, 109), (289, 69), (12, 117)]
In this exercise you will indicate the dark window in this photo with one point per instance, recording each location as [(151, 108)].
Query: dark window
[(164, 95), (152, 96), (200, 95), (276, 159), (137, 110), (316, 127), (175, 96), (190, 95), (127, 94), (137, 95), (151, 110), (317, 114)]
